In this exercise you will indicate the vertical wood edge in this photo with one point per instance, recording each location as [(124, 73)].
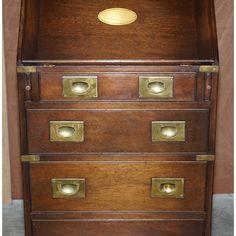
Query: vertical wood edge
[(209, 197), (27, 197)]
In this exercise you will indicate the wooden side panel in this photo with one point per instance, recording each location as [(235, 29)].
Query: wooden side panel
[(224, 141), (30, 28), (118, 186), (6, 180), (119, 228), (11, 14)]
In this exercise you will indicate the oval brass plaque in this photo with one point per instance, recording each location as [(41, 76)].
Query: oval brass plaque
[(117, 16)]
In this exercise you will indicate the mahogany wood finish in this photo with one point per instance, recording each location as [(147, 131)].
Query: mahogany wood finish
[(224, 171), (119, 228), (118, 158), (118, 186), (154, 36), (118, 86), (121, 131)]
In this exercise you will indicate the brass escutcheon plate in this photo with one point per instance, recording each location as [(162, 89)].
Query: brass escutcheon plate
[(68, 188), (117, 16), (155, 86), (80, 86), (167, 187), (168, 131), (66, 131)]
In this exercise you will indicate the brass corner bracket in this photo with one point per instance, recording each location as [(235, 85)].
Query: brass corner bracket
[(209, 69), (26, 69), (205, 157), (30, 158)]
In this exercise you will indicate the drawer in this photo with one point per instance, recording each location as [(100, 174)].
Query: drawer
[(118, 186), (118, 86), (119, 228), (114, 130)]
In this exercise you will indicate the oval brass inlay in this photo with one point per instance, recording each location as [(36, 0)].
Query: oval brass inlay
[(156, 87), (117, 16), (66, 132), (80, 87), (169, 131), (167, 188), (69, 189)]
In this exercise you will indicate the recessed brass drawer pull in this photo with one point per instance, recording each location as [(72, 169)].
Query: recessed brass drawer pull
[(167, 187), (80, 86), (156, 86), (168, 131), (68, 188), (67, 131)]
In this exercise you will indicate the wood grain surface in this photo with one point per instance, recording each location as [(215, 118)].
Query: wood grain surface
[(224, 163), (224, 140), (117, 130), (5, 152), (120, 86), (120, 228), (98, 41), (113, 186), (11, 14)]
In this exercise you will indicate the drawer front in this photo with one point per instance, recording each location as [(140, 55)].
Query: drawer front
[(119, 228), (110, 86), (81, 131), (118, 186)]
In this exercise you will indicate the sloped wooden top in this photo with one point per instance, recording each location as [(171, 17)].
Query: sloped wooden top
[(70, 31)]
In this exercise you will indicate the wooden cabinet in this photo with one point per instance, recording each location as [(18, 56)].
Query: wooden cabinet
[(117, 116)]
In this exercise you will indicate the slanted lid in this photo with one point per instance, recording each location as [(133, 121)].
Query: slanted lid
[(119, 31)]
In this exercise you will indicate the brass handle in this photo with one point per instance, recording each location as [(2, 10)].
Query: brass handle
[(80, 86), (168, 131), (156, 86), (66, 131), (167, 187), (68, 188)]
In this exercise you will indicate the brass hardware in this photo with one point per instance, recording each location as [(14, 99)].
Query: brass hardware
[(30, 158), (167, 187), (27, 88), (68, 188), (26, 69), (205, 157), (209, 69), (117, 16), (156, 86), (168, 131), (67, 131), (80, 86)]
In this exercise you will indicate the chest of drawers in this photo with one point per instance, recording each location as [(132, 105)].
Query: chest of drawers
[(117, 108)]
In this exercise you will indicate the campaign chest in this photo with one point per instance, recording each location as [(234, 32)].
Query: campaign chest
[(117, 105)]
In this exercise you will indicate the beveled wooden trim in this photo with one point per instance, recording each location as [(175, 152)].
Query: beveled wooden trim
[(119, 62), (118, 105)]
